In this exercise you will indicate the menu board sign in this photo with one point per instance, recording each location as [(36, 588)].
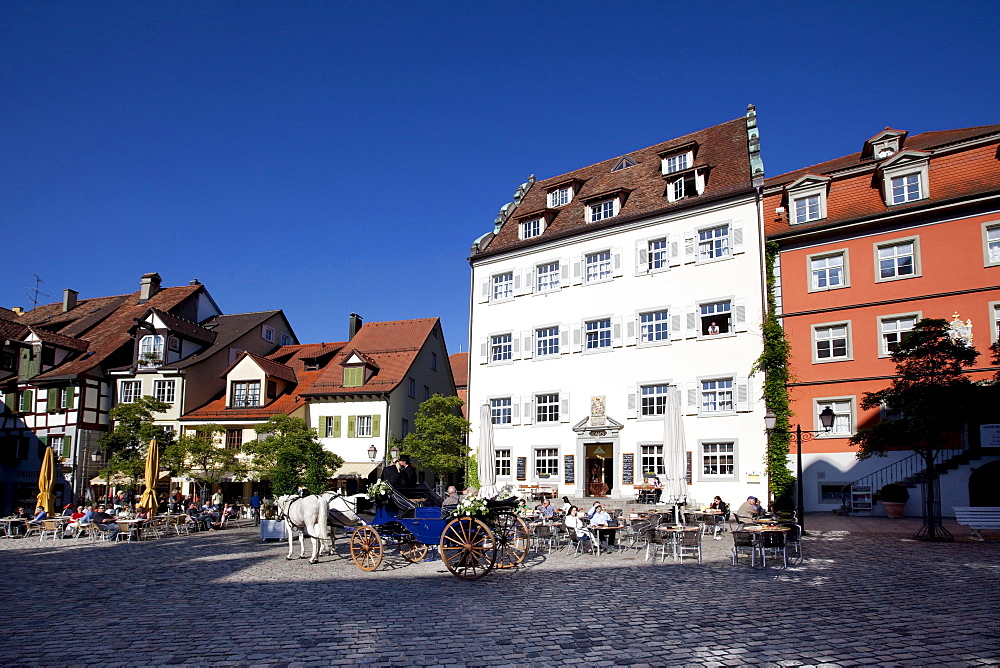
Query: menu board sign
[(569, 466), (522, 466), (628, 461)]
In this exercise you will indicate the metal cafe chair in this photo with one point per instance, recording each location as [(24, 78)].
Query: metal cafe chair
[(689, 542), (745, 542), (773, 542), (658, 540)]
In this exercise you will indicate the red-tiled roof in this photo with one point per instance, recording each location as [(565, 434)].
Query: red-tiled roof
[(392, 345), (952, 175), (227, 328), (274, 369), (186, 328), (7, 314), (722, 148), (112, 333), (11, 330), (59, 340), (460, 368)]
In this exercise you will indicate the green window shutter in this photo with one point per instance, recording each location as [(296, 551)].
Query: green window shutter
[(52, 400), (350, 425), (44, 440), (353, 376), (28, 401), (10, 401), (376, 420), (66, 449), (336, 426), (68, 397)]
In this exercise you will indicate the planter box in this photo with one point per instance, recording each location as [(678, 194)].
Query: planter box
[(272, 530), (893, 509)]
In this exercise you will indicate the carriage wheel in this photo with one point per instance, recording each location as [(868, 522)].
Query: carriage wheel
[(413, 551), (366, 548), (513, 540), (468, 548)]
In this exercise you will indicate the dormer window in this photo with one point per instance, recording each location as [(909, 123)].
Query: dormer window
[(245, 394), (623, 163), (532, 228), (604, 205), (807, 199), (883, 145), (676, 163), (602, 210), (560, 197), (354, 376), (150, 351), (904, 177)]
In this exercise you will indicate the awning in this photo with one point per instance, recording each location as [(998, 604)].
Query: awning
[(119, 479), (355, 469)]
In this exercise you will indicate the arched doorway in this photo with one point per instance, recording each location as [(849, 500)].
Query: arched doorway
[(983, 484)]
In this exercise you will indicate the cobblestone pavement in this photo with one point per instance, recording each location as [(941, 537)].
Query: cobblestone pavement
[(866, 593)]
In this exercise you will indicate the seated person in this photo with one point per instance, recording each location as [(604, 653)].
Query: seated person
[(67, 510), (470, 493), (657, 489), (575, 524), (450, 501), (751, 508), (594, 509), (600, 519), (102, 521), (40, 515), (74, 523), (545, 510)]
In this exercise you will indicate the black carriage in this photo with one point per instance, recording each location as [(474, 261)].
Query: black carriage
[(470, 547)]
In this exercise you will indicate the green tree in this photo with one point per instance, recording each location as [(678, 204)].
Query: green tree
[(929, 400), (439, 437), (773, 363), (203, 457), (126, 445), (291, 455)]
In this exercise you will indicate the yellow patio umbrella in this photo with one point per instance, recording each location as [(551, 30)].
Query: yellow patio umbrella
[(46, 481), (148, 499)]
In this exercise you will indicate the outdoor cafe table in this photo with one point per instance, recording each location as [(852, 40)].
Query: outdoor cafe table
[(7, 529), (605, 533), (761, 528), (674, 532), (130, 527)]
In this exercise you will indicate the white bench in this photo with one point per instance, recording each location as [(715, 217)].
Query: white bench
[(977, 519)]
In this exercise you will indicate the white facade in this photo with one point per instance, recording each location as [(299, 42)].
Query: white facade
[(633, 313)]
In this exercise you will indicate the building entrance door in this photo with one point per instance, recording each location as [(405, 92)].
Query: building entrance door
[(600, 469)]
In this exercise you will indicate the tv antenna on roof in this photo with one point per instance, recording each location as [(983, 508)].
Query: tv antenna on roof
[(32, 293)]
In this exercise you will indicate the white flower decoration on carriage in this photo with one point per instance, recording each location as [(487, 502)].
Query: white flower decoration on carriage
[(380, 489), (470, 508)]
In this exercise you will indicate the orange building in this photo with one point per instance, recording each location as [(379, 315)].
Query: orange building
[(908, 228)]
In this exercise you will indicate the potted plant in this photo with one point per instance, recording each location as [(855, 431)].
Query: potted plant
[(893, 497)]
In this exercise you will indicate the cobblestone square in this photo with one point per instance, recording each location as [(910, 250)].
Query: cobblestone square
[(865, 593)]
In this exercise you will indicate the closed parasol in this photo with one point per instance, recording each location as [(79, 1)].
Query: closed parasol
[(675, 453), (487, 453), (46, 481), (148, 499)]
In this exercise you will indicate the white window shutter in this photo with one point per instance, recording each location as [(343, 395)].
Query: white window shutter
[(699, 181), (564, 339), (690, 247), (616, 262), (515, 410), (484, 293), (692, 398), (577, 338), (743, 401), (674, 250), (577, 270), (692, 330), (740, 315), (529, 282), (633, 402), (528, 417), (564, 273), (676, 331), (616, 331), (630, 335), (515, 346), (484, 351), (519, 287), (564, 406), (528, 351), (641, 257), (736, 236)]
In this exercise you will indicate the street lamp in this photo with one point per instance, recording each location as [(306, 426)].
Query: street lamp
[(826, 418), (394, 452), (372, 452)]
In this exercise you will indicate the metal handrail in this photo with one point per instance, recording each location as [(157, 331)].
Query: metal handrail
[(898, 472)]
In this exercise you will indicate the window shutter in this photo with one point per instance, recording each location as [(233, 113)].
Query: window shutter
[(633, 402), (336, 426), (564, 339), (674, 250), (742, 394), (52, 400), (28, 401), (529, 281), (577, 270), (323, 426), (736, 236), (692, 398), (67, 446), (376, 426), (484, 351), (484, 292), (690, 248), (564, 273), (577, 338), (351, 420), (699, 181), (616, 331), (515, 346), (528, 416), (676, 331), (528, 350), (641, 257), (564, 406), (10, 401), (616, 262), (630, 327), (691, 322), (521, 287), (69, 397), (740, 315)]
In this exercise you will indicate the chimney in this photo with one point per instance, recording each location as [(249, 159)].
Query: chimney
[(356, 323), (148, 286), (194, 281), (69, 299), (18, 310)]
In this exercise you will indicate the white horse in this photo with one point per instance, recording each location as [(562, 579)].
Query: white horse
[(309, 514), (342, 514)]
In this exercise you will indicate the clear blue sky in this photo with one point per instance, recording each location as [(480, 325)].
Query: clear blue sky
[(325, 158)]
